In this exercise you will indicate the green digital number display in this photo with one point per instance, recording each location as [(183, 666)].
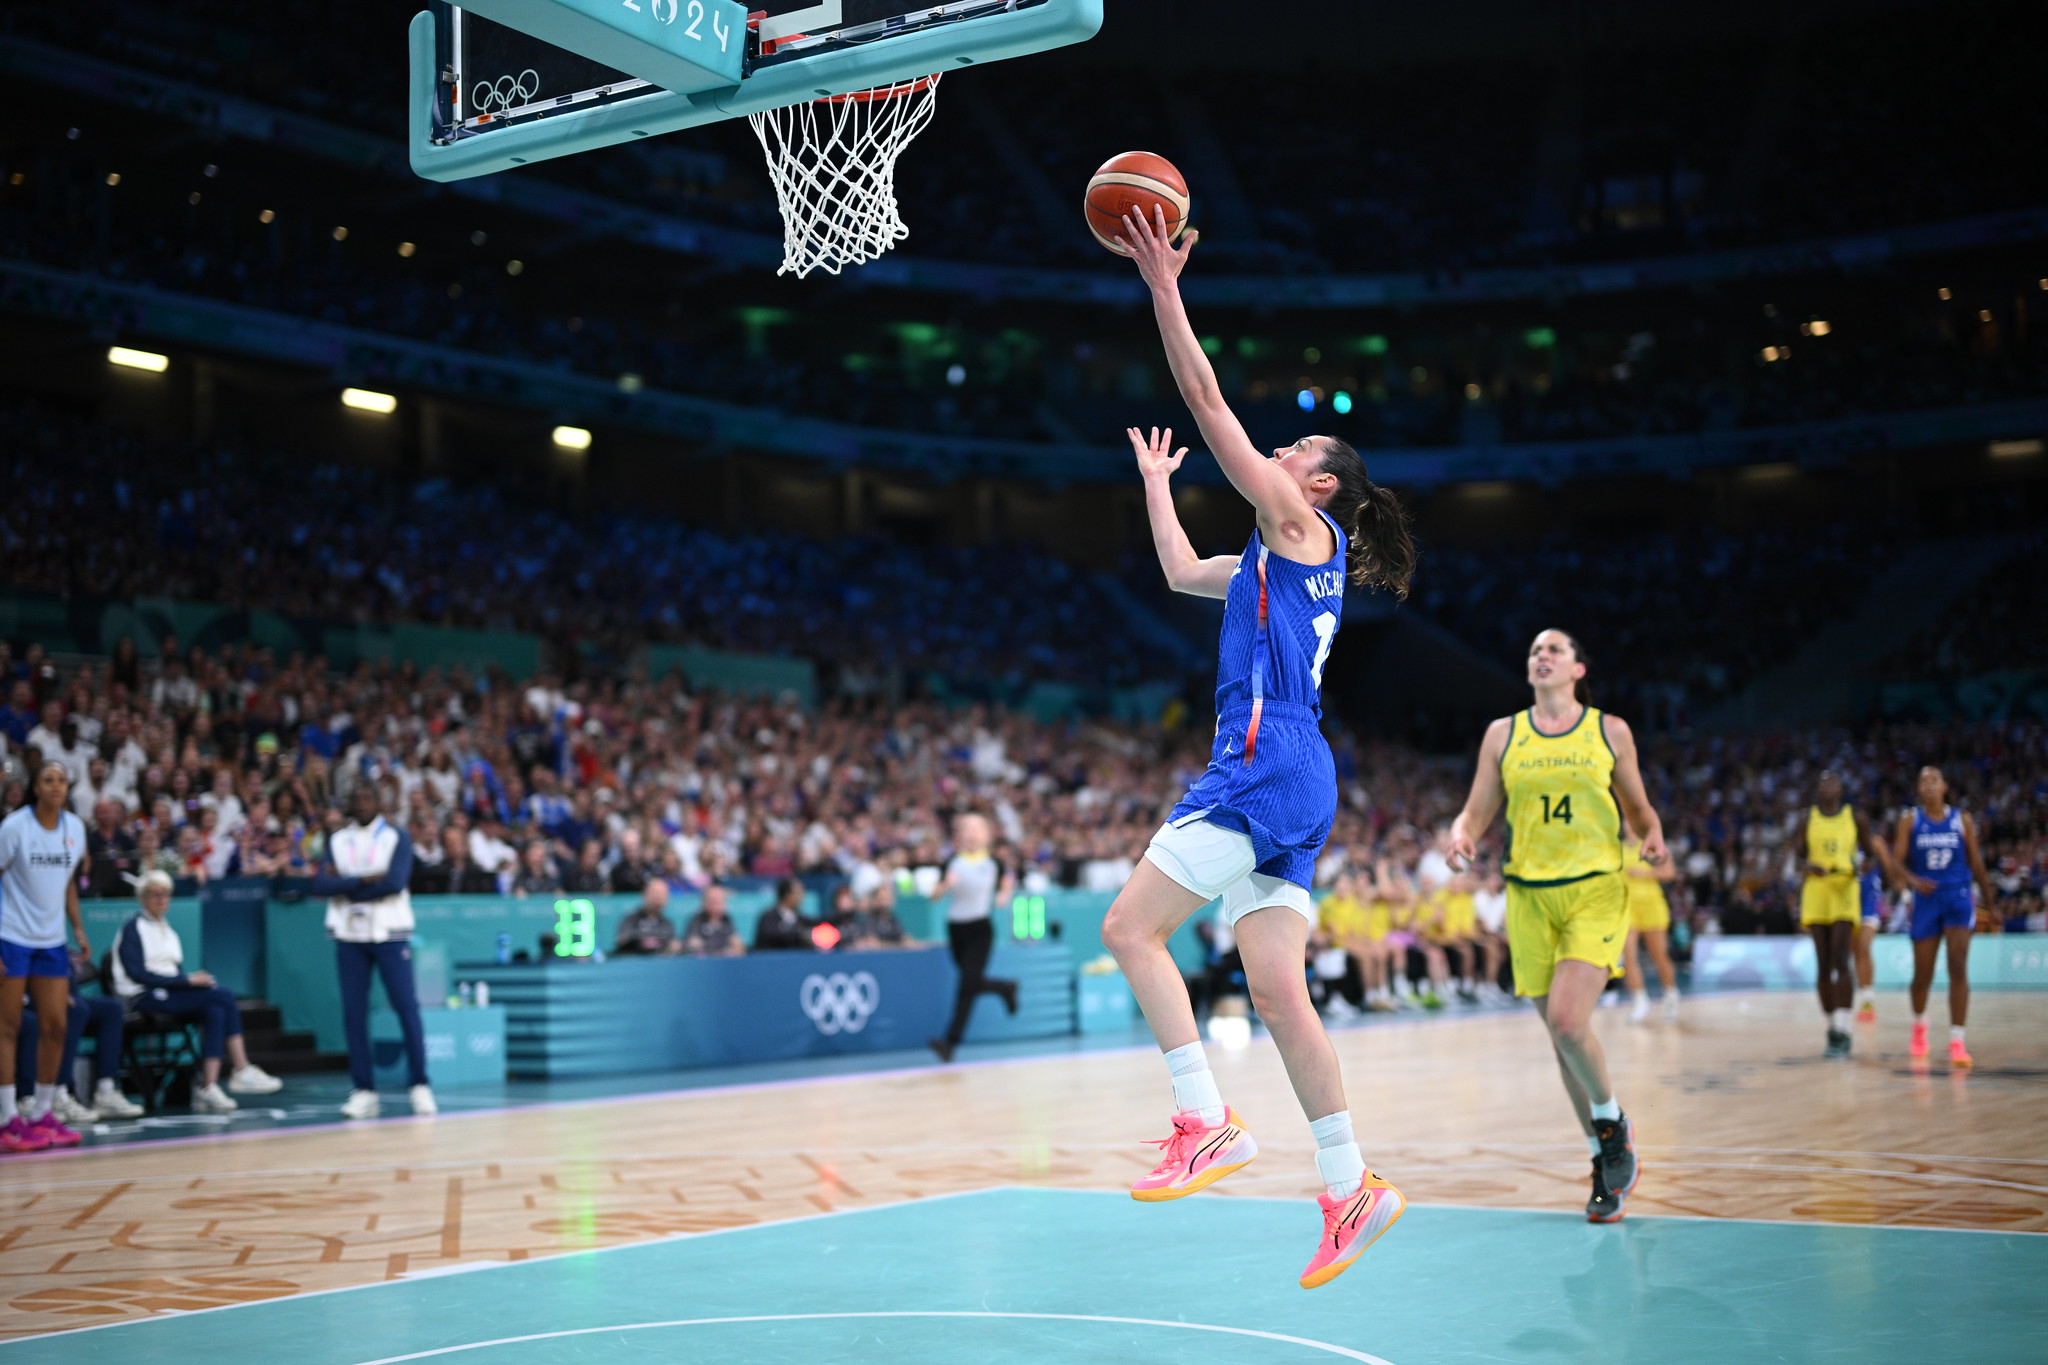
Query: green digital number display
[(1027, 917), (575, 928)]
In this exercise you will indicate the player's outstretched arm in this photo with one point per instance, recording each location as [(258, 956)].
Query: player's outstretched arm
[(1185, 571), (1629, 790), (1263, 485), (1482, 803)]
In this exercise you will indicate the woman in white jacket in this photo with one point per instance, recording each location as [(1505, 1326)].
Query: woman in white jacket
[(369, 916), (149, 974)]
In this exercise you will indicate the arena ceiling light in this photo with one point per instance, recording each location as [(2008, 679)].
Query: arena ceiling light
[(369, 400), (139, 360), (572, 438)]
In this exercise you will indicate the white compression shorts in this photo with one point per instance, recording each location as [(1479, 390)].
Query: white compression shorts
[(1210, 860)]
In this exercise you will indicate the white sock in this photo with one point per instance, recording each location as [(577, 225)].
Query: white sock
[(1338, 1159), (46, 1098), (107, 1086), (1920, 1020), (1609, 1110), (1194, 1085), (1635, 996), (1838, 1020), (1955, 1033), (1593, 1143), (1863, 994), (7, 1109)]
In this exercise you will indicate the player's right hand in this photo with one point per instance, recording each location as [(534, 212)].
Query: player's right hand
[(1146, 240), (1462, 851), (1153, 458)]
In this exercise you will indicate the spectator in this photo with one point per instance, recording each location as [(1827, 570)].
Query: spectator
[(18, 717), (149, 974), (783, 924), (629, 871), (586, 877), (536, 875), (111, 847), (647, 928), (710, 932)]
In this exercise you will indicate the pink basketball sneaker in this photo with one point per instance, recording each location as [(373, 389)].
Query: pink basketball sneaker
[(1350, 1225), (19, 1135), (1197, 1156), (57, 1133)]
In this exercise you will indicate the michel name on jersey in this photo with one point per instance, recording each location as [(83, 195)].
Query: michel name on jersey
[(1329, 583)]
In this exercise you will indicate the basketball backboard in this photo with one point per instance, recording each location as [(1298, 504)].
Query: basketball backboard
[(487, 96)]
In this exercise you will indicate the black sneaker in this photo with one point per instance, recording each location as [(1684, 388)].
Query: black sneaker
[(943, 1047), (1618, 1155), (1838, 1043), (1605, 1206), (1009, 993)]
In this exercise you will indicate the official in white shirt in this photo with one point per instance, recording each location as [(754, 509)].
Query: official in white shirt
[(974, 885), (369, 917)]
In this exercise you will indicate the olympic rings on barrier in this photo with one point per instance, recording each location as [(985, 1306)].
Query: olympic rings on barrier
[(507, 92), (840, 1003)]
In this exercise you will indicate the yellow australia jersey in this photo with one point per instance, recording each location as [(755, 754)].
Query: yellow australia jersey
[(1831, 841), (1563, 824)]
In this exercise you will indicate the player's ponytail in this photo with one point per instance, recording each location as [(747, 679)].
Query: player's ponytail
[(1376, 524)]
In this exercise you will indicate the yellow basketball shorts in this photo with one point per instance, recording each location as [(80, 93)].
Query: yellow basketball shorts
[(1584, 921), (1830, 900), (1648, 910)]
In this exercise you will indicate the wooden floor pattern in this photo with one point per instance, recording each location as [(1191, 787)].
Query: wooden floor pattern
[(1737, 1116)]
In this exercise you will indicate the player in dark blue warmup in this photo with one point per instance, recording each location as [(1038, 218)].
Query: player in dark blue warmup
[(1251, 826), (1937, 845)]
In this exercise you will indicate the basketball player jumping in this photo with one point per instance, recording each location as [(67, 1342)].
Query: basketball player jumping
[(1568, 775), (1250, 827)]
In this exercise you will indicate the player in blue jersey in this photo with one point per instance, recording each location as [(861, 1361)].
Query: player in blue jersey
[(1937, 845), (1249, 829)]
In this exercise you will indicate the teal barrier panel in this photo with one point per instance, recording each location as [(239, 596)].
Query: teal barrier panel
[(1078, 914), (299, 961), (104, 918), (1997, 961), (727, 670), (464, 1047)]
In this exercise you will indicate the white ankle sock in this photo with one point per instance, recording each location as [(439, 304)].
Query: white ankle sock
[(45, 1100), (1863, 994), (7, 1109), (1838, 1020), (1338, 1159), (1609, 1110), (1194, 1085), (1955, 1033), (1920, 1021)]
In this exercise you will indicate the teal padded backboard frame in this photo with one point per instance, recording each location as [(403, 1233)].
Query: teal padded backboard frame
[(942, 37)]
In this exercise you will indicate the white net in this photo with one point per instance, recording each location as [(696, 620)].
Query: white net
[(833, 162)]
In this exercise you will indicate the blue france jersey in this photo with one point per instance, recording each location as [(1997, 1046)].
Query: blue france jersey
[(1279, 620), (1270, 774), (1938, 852)]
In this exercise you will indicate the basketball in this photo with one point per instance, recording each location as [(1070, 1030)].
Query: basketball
[(1135, 180)]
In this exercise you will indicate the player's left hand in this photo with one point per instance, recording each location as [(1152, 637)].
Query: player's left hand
[(1654, 852), (1153, 457), (1148, 244)]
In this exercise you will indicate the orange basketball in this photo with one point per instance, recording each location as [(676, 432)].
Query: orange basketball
[(1135, 180)]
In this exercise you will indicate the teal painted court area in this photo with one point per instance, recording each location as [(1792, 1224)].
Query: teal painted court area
[(1032, 1275)]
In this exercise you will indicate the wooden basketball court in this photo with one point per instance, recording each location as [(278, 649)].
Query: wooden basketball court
[(1738, 1118)]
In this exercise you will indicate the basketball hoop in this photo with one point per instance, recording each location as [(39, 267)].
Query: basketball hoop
[(833, 161)]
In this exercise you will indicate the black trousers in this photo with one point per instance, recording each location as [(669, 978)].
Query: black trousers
[(972, 941)]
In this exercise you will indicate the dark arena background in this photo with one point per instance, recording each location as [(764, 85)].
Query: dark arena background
[(513, 676)]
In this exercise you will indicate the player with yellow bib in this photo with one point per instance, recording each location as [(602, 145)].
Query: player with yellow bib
[(1831, 898), (1567, 774), (1649, 924)]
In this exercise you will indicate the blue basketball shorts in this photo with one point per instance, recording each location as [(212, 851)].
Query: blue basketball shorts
[(18, 959), (1945, 907)]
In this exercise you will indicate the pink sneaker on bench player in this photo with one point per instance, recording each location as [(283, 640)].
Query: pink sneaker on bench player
[(1197, 1156), (1350, 1225)]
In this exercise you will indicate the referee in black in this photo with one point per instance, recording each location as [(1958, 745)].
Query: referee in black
[(975, 884)]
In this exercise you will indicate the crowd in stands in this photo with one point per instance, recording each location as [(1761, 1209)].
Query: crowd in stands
[(238, 763), (2001, 625), (1817, 125), (349, 544)]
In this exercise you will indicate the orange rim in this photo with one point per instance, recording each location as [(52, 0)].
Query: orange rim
[(881, 92)]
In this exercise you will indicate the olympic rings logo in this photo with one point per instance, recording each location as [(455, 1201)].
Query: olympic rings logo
[(840, 1003), (506, 92)]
